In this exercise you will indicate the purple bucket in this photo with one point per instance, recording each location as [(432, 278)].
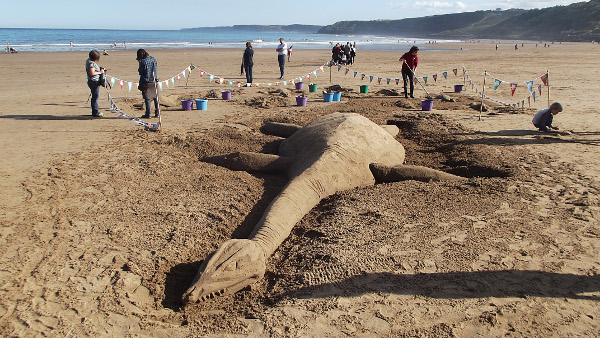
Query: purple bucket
[(458, 88), (301, 101), (187, 104), (426, 105), (226, 95), (299, 85)]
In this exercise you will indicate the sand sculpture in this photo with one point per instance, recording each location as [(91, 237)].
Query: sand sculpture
[(333, 153)]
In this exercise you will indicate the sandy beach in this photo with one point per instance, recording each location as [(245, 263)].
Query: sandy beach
[(104, 225)]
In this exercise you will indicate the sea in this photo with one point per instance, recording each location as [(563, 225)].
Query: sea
[(61, 40)]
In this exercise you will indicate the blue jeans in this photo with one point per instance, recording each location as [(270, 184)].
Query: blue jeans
[(95, 88), (281, 60)]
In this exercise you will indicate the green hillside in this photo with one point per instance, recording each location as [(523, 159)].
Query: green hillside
[(576, 22)]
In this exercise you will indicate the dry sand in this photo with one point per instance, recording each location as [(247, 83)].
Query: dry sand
[(104, 225)]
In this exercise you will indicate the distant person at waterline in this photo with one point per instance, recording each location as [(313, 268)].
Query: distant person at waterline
[(281, 54)]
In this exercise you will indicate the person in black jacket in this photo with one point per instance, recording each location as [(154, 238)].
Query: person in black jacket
[(247, 63)]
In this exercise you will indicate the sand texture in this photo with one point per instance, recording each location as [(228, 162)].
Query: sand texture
[(104, 225)]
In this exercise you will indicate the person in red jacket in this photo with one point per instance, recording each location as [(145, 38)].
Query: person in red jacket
[(409, 60)]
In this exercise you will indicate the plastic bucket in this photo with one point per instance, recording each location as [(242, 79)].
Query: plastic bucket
[(301, 101), (426, 105), (312, 87), (327, 97), (337, 96), (299, 85), (364, 89), (458, 88), (201, 104), (187, 104), (226, 95)]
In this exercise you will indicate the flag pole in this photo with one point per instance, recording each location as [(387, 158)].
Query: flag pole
[(548, 85), (482, 94)]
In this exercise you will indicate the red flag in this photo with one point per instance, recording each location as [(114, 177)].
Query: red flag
[(201, 73), (397, 81), (362, 76), (347, 70), (513, 86), (435, 77), (454, 71), (179, 78), (379, 80), (545, 79)]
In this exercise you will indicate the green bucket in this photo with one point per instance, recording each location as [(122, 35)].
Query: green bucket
[(312, 87), (364, 89)]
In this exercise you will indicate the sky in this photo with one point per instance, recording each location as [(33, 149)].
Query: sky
[(177, 14)]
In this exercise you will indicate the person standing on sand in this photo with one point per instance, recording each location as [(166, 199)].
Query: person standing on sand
[(543, 118), (289, 53), (409, 60), (148, 79), (281, 54), (95, 79), (248, 63)]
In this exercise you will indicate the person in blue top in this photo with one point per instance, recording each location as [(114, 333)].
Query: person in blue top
[(248, 63), (95, 79), (148, 79), (543, 118)]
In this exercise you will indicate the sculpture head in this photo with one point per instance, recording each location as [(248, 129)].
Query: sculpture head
[(236, 264)]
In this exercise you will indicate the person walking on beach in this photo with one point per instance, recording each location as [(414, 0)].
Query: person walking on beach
[(247, 63), (148, 70), (281, 54), (543, 118), (289, 53), (95, 79), (409, 60)]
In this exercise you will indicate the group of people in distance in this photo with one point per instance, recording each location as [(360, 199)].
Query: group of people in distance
[(343, 54)]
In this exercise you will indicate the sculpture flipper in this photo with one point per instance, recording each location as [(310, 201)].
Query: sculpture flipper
[(245, 161), (386, 174)]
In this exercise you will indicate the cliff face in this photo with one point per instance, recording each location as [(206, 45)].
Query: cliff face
[(576, 22)]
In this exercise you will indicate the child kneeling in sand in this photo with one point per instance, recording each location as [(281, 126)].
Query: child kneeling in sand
[(543, 118)]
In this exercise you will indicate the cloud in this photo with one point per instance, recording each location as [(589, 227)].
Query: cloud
[(432, 6)]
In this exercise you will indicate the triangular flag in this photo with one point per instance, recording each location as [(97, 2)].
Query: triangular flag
[(362, 76), (285, 83), (425, 79), (497, 83), (347, 70), (454, 71), (112, 81), (129, 84), (221, 80), (397, 81), (434, 77), (415, 80), (160, 85), (379, 80), (388, 80), (529, 101), (300, 80), (371, 78), (308, 77), (322, 69), (513, 87), (545, 79), (529, 85), (315, 73), (533, 94), (339, 67), (121, 84), (445, 75), (167, 83), (179, 77), (355, 74), (540, 89), (211, 78), (173, 81), (230, 84), (201, 73), (239, 84), (188, 68)]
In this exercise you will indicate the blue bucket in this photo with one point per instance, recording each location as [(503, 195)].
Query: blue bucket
[(327, 97), (337, 96), (201, 104)]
